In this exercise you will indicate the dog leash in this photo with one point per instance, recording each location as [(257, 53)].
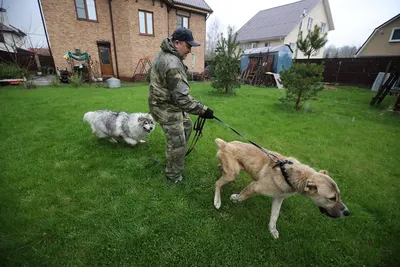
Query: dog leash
[(198, 127), (278, 163)]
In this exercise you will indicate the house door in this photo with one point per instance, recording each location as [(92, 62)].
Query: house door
[(105, 59)]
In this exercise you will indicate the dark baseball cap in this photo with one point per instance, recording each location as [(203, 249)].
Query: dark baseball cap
[(184, 35)]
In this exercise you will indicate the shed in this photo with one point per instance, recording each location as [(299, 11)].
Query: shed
[(274, 59)]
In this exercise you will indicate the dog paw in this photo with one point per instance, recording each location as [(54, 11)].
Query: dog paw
[(274, 233), (217, 203), (235, 197), (112, 140), (142, 141)]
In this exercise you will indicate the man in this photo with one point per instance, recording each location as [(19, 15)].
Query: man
[(170, 101)]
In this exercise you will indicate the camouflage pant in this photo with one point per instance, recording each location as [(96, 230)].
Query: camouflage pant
[(177, 136)]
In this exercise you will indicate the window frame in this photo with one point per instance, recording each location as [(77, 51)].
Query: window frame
[(391, 40), (145, 22), (267, 44), (2, 38), (182, 17), (86, 11), (309, 25), (322, 29)]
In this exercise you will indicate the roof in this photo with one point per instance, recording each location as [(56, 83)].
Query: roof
[(200, 4), (11, 29), (268, 49), (279, 21), (375, 30)]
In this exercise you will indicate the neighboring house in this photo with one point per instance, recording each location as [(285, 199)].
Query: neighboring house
[(384, 40), (284, 24), (39, 51), (11, 38), (118, 33)]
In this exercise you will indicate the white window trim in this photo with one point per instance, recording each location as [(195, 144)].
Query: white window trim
[(180, 17), (391, 35), (146, 26), (86, 9), (322, 30), (309, 26)]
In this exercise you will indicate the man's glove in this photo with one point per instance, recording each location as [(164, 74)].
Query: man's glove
[(207, 114)]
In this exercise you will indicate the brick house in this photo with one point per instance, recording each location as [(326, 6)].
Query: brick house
[(118, 33)]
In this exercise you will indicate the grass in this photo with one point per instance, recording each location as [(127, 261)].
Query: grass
[(69, 199)]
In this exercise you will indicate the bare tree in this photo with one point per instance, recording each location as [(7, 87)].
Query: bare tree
[(345, 51), (213, 35), (14, 44)]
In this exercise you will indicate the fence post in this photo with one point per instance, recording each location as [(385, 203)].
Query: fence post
[(337, 73)]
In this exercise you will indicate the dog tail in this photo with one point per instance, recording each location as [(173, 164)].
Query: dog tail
[(220, 143), (88, 116)]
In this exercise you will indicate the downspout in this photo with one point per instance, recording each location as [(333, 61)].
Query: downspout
[(46, 34), (113, 37), (168, 10)]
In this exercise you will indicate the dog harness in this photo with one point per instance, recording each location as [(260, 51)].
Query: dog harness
[(281, 165)]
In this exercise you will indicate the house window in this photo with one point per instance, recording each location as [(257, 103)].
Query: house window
[(309, 24), (182, 22), (1, 38), (146, 23), (245, 46), (254, 45), (322, 29), (86, 9), (267, 44), (301, 24), (395, 36)]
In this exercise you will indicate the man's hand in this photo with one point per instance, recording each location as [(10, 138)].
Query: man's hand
[(207, 114)]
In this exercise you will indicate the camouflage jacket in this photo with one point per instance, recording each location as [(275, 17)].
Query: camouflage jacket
[(169, 89)]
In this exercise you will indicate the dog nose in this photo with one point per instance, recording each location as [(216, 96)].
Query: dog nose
[(346, 212)]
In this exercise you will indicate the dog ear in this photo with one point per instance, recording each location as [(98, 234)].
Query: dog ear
[(324, 172), (310, 186), (141, 118)]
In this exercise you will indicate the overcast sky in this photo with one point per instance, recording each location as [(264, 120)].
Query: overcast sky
[(354, 19)]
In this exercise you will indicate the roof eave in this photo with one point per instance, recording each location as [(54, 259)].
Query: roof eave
[(194, 8), (329, 15), (260, 39)]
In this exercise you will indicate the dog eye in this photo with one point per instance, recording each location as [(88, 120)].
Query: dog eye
[(332, 198)]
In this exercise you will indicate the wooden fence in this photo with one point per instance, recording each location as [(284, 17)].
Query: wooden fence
[(27, 59), (355, 71)]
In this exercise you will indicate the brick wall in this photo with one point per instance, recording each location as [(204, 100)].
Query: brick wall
[(67, 33)]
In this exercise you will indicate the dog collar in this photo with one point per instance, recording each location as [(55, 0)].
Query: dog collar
[(281, 165)]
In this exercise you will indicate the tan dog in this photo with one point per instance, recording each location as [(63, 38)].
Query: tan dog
[(317, 186)]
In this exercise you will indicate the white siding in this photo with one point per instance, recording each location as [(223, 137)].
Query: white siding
[(319, 15)]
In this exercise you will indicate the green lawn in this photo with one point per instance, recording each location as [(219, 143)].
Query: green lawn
[(69, 199)]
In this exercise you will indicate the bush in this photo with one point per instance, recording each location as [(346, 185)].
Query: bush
[(9, 71), (76, 80), (302, 82), (29, 84), (56, 82)]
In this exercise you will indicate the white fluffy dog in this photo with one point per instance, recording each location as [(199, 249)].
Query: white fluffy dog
[(132, 127)]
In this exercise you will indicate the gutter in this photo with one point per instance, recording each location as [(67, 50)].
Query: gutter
[(113, 37)]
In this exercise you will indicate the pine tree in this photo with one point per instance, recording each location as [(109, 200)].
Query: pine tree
[(226, 66), (312, 42)]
